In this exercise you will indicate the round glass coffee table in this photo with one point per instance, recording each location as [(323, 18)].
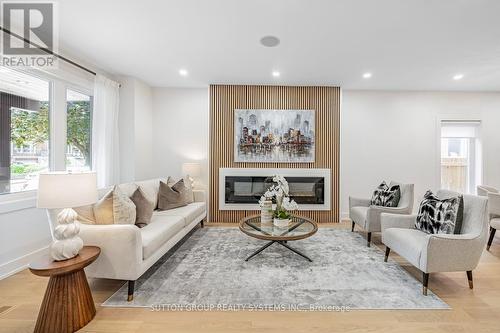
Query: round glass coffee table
[(298, 228)]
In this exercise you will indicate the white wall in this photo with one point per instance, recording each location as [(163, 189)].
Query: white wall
[(395, 135), (180, 130), (24, 233), (136, 132)]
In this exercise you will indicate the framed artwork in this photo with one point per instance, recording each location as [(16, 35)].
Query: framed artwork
[(286, 136)]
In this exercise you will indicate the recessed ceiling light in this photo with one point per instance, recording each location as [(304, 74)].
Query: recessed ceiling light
[(276, 74), (367, 75), (270, 41), (183, 72), (457, 77)]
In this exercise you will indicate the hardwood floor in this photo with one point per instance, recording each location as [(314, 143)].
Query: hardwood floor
[(472, 310)]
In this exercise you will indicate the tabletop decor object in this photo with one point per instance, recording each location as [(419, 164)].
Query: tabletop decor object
[(62, 190), (279, 192)]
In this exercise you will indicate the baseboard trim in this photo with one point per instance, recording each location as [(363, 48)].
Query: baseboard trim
[(21, 263)]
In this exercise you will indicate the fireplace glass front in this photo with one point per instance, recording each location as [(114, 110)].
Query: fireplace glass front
[(304, 190)]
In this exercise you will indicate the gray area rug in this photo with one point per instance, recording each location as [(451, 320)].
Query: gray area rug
[(209, 270)]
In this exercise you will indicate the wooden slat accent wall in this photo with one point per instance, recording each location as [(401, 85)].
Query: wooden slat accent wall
[(224, 99)]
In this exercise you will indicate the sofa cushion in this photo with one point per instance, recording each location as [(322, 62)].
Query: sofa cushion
[(158, 232), (358, 215), (408, 243), (189, 212)]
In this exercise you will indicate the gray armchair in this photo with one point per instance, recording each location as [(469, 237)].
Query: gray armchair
[(483, 190), (368, 217), (439, 252), (494, 216)]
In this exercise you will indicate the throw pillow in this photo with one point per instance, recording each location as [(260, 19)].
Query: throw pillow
[(188, 191), (386, 196), (85, 214), (144, 208), (439, 216), (124, 210), (115, 208), (172, 197), (103, 209)]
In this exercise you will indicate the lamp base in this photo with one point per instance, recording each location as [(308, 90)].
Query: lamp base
[(67, 244)]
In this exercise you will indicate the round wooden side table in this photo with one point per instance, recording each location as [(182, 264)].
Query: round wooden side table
[(67, 305)]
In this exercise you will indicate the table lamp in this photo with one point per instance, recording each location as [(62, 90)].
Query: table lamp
[(65, 190), (193, 170)]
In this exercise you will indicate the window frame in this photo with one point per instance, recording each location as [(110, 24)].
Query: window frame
[(475, 149), (57, 129), (89, 93)]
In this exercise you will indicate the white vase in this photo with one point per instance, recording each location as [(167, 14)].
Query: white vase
[(281, 223)]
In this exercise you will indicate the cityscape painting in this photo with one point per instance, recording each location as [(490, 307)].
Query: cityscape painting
[(274, 136)]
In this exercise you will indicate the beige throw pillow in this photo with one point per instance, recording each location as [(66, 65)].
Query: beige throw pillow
[(172, 197), (185, 186), (115, 208), (144, 208), (85, 214)]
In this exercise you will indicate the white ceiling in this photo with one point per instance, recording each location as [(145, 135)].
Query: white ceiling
[(406, 44)]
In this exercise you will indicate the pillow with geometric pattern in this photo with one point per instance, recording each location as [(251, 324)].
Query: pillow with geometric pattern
[(386, 196), (440, 216)]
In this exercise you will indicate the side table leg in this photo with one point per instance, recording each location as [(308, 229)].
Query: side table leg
[(67, 305)]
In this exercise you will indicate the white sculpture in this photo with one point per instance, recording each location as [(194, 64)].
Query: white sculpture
[(67, 244)]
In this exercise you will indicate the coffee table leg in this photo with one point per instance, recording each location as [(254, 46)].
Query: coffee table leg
[(293, 250), (260, 250)]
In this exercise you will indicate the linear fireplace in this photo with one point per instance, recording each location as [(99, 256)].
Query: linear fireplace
[(241, 188)]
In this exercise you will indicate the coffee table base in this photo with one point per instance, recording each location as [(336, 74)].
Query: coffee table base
[(283, 243)]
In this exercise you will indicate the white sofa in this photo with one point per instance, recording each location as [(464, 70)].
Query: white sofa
[(128, 251)]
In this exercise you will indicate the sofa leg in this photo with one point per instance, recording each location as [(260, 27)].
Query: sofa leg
[(469, 277), (202, 223), (368, 239), (352, 226), (490, 240), (425, 283), (131, 285), (387, 251)]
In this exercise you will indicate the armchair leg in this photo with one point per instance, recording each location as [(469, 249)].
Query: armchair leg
[(469, 277), (202, 223), (131, 285), (492, 235), (387, 251), (368, 239), (425, 283), (352, 227)]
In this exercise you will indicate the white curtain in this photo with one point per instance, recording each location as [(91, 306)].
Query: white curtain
[(105, 149)]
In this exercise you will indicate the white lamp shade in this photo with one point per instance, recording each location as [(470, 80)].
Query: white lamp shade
[(66, 190), (191, 169)]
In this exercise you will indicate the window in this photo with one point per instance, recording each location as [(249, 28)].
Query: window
[(24, 130), (45, 124), (78, 130), (460, 156)]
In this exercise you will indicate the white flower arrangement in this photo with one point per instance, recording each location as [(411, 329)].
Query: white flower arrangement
[(280, 192)]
